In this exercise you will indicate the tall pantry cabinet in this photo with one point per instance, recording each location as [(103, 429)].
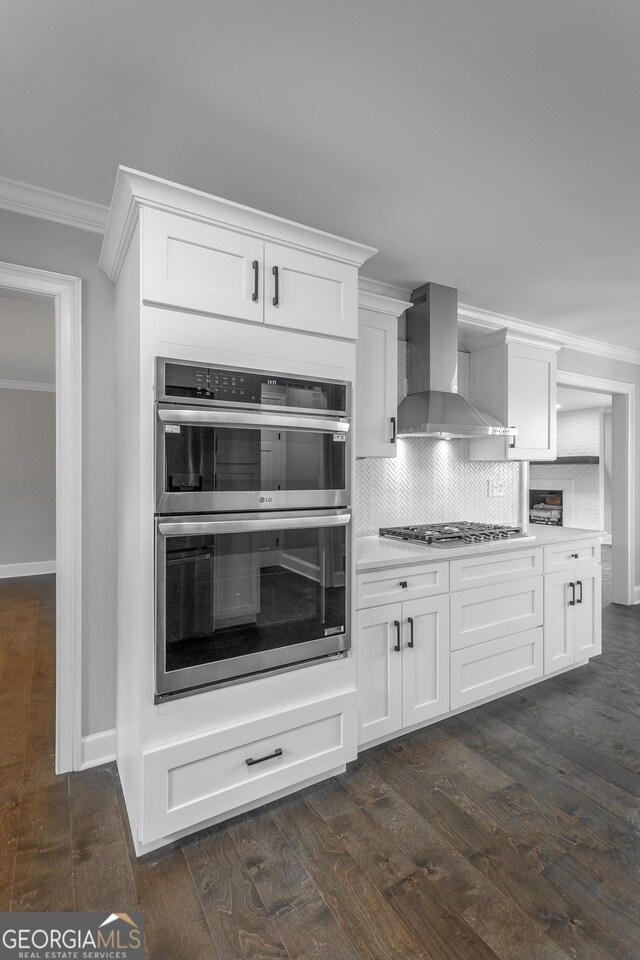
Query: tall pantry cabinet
[(203, 279)]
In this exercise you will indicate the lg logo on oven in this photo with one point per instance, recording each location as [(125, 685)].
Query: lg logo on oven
[(266, 499)]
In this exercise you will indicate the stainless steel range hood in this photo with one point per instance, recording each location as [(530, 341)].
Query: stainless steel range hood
[(433, 408)]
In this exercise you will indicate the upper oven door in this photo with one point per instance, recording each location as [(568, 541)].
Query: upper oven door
[(222, 460)]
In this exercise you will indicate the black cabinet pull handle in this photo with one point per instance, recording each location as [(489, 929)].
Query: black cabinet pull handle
[(276, 297), (513, 442), (579, 583), (276, 753), (410, 622), (572, 602), (254, 295), (574, 556), (393, 430), (396, 624), (403, 584)]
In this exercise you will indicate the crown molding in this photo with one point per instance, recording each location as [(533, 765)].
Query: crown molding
[(382, 289), (49, 205), (379, 303), (134, 190), (27, 385), (537, 334)]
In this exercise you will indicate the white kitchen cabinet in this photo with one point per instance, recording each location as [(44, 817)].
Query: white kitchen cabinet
[(192, 265), (402, 665), (572, 619), (564, 556), (488, 669), (490, 612), (375, 587), (376, 374), (515, 382), (192, 780)]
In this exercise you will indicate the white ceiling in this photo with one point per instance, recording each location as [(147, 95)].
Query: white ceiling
[(493, 146), (27, 340)]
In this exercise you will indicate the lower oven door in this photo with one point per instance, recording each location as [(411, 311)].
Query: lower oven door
[(240, 595)]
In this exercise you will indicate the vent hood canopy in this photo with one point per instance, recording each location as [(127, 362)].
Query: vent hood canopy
[(433, 407)]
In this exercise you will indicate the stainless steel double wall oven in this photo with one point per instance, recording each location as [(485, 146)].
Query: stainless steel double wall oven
[(252, 521)]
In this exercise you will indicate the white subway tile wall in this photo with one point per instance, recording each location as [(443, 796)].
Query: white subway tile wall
[(579, 433), (431, 481)]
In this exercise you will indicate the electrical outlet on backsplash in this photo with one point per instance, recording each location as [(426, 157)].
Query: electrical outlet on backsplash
[(432, 481)]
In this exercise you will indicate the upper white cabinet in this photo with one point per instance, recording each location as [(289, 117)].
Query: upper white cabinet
[(206, 255), (515, 382), (376, 374)]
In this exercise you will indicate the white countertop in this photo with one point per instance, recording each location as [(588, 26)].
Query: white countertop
[(376, 552)]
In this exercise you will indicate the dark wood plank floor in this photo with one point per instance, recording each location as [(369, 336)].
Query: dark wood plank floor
[(511, 831)]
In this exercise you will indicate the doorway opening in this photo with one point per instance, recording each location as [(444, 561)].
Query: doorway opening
[(63, 294), (601, 491)]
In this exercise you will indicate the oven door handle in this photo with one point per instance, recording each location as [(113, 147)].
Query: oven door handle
[(255, 421), (189, 528)]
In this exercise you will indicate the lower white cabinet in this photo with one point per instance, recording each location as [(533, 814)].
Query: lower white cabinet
[(487, 669), (402, 664), (190, 781), (572, 621), (488, 613)]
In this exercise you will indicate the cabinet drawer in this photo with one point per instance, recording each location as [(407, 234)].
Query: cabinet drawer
[(187, 782), (491, 612), (495, 667), (479, 571), (564, 556), (386, 586)]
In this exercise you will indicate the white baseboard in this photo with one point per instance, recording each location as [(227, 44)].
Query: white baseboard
[(98, 748), (33, 569), (636, 594)]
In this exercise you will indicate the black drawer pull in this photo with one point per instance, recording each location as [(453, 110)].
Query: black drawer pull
[(579, 584), (410, 622), (254, 295), (403, 584), (276, 298), (396, 624), (574, 556), (276, 753), (572, 602)]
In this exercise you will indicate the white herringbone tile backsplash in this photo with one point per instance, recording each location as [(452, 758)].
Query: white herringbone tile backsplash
[(431, 481)]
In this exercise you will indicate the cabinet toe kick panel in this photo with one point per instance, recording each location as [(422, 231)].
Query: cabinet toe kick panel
[(190, 781)]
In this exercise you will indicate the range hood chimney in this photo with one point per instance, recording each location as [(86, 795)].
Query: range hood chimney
[(433, 407)]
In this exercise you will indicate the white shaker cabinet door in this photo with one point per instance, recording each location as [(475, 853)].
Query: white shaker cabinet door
[(376, 385), (558, 621), (379, 672), (197, 266), (588, 612), (309, 293), (425, 659)]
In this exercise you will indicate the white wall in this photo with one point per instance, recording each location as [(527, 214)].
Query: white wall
[(27, 476), (52, 246), (607, 453)]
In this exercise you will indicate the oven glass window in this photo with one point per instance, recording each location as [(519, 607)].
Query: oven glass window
[(232, 595), (205, 458)]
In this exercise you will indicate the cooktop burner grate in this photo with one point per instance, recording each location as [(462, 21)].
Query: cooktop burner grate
[(444, 535)]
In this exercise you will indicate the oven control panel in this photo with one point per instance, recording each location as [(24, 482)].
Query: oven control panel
[(180, 381)]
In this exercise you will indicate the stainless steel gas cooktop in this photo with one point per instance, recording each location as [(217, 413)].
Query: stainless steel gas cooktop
[(444, 535)]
